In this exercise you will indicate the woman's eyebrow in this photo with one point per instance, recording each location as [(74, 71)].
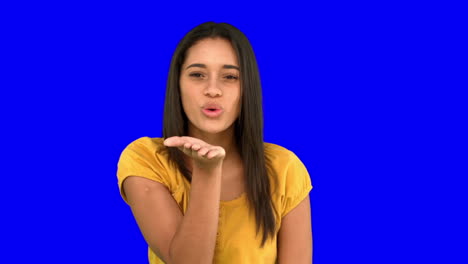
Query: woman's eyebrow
[(228, 66), (200, 65)]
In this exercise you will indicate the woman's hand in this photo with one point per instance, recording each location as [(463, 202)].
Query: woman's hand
[(204, 155)]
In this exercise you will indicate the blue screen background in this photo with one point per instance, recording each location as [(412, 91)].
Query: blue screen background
[(369, 96)]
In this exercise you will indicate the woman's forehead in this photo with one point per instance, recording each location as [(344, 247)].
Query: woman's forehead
[(212, 53)]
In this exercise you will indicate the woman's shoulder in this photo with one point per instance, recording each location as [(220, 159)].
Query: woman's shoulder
[(149, 145), (292, 177), (147, 157), (277, 154), (150, 149), (284, 165), (155, 143)]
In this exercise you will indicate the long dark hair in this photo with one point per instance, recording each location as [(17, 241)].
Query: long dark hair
[(248, 126)]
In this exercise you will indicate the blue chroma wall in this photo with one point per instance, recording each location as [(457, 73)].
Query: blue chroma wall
[(366, 95)]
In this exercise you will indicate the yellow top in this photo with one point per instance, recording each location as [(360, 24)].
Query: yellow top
[(236, 241)]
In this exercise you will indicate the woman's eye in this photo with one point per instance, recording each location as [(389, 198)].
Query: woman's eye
[(231, 77), (196, 75)]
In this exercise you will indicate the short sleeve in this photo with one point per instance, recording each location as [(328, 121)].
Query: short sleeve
[(297, 185), (139, 159)]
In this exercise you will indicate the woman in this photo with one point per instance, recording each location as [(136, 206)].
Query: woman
[(213, 191)]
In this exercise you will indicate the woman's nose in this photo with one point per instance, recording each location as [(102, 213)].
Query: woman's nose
[(213, 89)]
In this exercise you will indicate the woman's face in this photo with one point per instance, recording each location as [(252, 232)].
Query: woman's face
[(210, 85)]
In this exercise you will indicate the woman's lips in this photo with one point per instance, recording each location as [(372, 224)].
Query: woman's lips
[(211, 112)]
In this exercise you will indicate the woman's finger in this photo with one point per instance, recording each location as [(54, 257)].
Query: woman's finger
[(196, 147), (181, 141), (213, 153), (173, 142), (202, 152), (192, 140), (216, 152)]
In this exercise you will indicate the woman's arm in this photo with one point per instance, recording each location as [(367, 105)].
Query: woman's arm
[(295, 236), (177, 238)]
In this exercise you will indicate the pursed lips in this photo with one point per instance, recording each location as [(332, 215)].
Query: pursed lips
[(212, 110), (212, 106)]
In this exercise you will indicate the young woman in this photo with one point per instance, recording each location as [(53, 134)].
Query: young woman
[(211, 191)]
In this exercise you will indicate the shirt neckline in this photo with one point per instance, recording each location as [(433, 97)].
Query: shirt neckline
[(235, 201)]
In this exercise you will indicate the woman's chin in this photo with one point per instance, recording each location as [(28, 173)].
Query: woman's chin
[(210, 127), (213, 129)]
